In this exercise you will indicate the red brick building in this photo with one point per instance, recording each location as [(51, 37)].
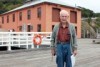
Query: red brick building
[(39, 16)]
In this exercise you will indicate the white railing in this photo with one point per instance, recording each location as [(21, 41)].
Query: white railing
[(23, 39)]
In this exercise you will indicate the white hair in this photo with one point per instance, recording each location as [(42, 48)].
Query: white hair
[(64, 11)]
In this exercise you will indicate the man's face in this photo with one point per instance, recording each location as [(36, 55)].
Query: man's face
[(63, 17)]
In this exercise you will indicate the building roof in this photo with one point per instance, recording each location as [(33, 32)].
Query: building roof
[(32, 3)]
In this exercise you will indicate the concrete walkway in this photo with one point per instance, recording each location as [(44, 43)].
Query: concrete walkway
[(88, 56)]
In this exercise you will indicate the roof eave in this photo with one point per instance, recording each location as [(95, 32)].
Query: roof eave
[(37, 4)]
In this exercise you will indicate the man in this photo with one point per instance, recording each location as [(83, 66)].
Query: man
[(63, 41)]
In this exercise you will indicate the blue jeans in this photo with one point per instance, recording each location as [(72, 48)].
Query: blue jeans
[(63, 53)]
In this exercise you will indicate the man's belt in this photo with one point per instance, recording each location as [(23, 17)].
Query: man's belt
[(59, 42)]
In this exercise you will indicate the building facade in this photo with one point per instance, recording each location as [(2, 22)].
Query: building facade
[(39, 16)]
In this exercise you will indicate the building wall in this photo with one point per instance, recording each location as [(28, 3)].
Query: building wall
[(33, 21), (49, 21), (45, 21)]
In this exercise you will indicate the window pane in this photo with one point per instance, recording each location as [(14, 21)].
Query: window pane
[(52, 27), (55, 14), (29, 28), (76, 29), (8, 19), (2, 20), (39, 12), (28, 14), (73, 16), (13, 17), (39, 27), (20, 16), (20, 28)]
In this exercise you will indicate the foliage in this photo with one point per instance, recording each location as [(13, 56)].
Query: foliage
[(6, 5)]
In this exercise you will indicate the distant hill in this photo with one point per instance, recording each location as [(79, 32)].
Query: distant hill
[(88, 13), (6, 5)]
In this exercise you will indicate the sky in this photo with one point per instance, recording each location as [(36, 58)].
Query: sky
[(90, 4)]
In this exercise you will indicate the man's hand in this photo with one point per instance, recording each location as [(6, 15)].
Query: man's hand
[(75, 52), (53, 52)]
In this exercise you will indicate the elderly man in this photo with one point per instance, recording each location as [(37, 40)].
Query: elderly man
[(63, 41)]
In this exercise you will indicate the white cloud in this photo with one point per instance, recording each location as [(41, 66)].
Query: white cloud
[(90, 4)]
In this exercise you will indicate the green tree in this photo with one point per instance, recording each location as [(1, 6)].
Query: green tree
[(6, 5)]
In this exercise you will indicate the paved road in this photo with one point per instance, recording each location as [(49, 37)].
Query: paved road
[(88, 56)]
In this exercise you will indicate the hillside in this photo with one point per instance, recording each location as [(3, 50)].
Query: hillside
[(6, 5)]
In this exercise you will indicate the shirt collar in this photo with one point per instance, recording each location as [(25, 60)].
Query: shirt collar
[(67, 24)]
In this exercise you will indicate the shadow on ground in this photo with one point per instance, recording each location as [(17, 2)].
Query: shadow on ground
[(4, 48)]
